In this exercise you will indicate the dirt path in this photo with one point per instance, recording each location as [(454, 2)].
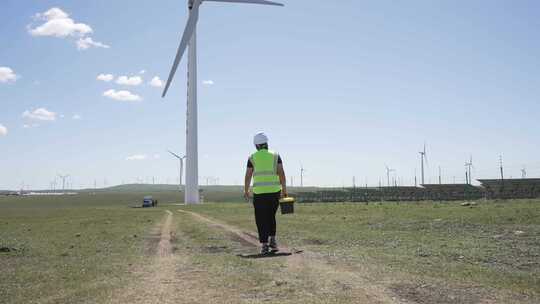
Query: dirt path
[(186, 266), (330, 277), (153, 283), (164, 246)]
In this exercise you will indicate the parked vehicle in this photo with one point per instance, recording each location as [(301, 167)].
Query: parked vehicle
[(148, 201)]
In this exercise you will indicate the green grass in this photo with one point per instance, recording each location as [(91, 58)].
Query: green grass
[(76, 247), (238, 280), (461, 245), (79, 248)]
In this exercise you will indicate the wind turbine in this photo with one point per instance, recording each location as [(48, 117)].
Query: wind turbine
[(422, 158), (388, 170), (523, 172), (181, 159), (63, 177), (302, 170), (189, 38), (469, 165)]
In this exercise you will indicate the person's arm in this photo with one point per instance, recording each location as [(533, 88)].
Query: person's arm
[(247, 182), (282, 180)]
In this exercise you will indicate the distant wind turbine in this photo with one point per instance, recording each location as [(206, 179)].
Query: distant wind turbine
[(388, 170), (181, 159), (189, 39), (63, 177), (302, 170), (423, 157), (469, 165)]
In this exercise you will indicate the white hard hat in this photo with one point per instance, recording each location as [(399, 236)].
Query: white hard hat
[(260, 138)]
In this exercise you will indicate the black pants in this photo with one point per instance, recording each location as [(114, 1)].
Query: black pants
[(265, 206)]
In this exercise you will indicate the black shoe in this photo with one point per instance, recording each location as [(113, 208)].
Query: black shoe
[(265, 249), (273, 245)]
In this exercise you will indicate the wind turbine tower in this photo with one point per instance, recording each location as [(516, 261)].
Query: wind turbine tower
[(422, 158), (469, 165), (189, 39), (388, 170), (63, 177), (181, 160), (302, 170), (523, 172)]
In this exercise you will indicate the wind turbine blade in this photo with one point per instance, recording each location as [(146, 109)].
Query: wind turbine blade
[(264, 2), (188, 33), (174, 154)]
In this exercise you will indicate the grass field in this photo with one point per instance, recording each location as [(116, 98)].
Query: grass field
[(460, 250), (95, 249)]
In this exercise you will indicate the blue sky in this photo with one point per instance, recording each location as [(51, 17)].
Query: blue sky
[(342, 87)]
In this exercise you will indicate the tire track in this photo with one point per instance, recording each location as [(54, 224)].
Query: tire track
[(154, 286), (164, 246)]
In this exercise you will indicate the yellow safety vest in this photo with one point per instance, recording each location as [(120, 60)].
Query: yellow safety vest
[(265, 177)]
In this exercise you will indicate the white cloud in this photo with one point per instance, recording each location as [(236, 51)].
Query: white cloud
[(7, 75), (156, 82), (3, 130), (122, 95), (58, 24), (53, 13), (157, 156), (39, 114), (142, 71), (105, 77), (131, 81), (32, 125), (137, 157), (208, 82), (76, 117), (86, 43)]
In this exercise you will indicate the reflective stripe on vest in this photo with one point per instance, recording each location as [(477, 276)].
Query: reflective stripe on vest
[(264, 173), (264, 184), (265, 177)]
